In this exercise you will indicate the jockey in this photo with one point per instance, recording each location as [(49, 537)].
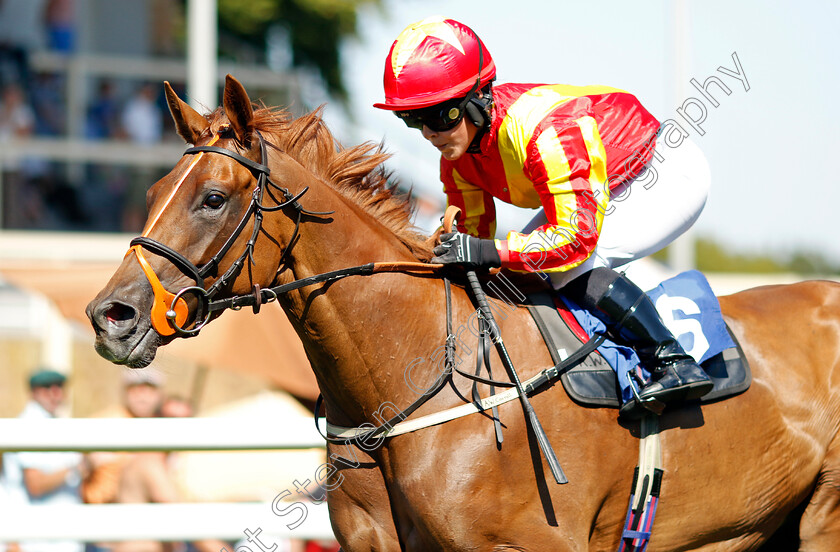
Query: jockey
[(574, 151)]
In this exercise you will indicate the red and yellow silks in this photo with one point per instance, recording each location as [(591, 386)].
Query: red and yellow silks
[(558, 147)]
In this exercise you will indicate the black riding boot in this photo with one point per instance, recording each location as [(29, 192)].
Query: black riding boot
[(630, 316)]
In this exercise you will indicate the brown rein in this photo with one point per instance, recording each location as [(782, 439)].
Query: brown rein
[(261, 296)]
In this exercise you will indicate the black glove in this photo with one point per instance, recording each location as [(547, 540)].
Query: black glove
[(466, 250)]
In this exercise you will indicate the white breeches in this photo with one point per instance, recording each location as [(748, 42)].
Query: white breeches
[(646, 214)]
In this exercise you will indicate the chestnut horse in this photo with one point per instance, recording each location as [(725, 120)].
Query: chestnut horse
[(284, 202)]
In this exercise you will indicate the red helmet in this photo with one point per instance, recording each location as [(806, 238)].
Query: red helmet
[(432, 61)]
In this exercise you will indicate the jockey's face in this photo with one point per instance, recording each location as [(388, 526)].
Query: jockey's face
[(452, 143)]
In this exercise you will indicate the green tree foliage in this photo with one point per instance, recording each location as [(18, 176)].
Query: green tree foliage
[(316, 29), (712, 257)]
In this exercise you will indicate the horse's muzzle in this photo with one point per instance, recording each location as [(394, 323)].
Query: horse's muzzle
[(124, 335)]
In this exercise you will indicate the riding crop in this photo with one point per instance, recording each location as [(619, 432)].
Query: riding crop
[(449, 221), (530, 414)]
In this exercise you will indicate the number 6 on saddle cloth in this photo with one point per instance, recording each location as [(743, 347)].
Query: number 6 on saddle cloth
[(689, 309)]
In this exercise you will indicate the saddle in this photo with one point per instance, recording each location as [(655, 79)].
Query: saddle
[(594, 379)]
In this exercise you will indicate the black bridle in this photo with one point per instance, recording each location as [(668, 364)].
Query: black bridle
[(255, 209)]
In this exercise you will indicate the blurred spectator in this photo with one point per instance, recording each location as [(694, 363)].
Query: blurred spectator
[(175, 406), (60, 20), (147, 477), (106, 184), (142, 119), (49, 103), (21, 31), (17, 119), (142, 122), (142, 398), (103, 116), (22, 203), (44, 478), (34, 196), (143, 392)]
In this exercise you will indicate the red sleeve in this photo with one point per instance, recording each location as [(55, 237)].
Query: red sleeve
[(566, 163)]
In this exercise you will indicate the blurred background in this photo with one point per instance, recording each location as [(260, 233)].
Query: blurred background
[(84, 131)]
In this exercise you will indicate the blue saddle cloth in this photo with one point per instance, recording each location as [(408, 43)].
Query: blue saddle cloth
[(691, 311)]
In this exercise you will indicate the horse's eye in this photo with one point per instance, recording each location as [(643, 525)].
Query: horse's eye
[(214, 201)]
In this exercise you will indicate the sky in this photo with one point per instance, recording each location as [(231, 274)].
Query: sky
[(770, 148)]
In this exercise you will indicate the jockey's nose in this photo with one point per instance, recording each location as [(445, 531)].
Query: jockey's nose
[(428, 133)]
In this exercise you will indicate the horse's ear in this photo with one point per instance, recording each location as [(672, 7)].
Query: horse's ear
[(238, 110), (189, 123)]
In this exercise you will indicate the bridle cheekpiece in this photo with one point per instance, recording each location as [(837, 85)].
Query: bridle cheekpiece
[(170, 312)]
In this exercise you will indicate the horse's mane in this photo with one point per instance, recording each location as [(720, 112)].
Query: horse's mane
[(357, 173)]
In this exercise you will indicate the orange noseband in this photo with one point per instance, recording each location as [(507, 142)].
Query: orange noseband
[(163, 299)]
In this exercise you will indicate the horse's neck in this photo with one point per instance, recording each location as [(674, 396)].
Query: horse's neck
[(360, 333)]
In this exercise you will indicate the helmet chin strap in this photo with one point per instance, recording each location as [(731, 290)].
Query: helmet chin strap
[(479, 111)]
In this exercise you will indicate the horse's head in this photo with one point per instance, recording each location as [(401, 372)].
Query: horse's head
[(200, 239)]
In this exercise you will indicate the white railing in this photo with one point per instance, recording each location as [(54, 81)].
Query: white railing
[(164, 522), (143, 434), (106, 152), (160, 69)]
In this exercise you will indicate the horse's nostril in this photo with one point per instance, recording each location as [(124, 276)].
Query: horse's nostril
[(119, 312), (112, 318)]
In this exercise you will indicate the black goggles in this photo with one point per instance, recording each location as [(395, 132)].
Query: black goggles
[(439, 118)]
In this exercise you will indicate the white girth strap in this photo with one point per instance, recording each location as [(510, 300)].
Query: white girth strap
[(407, 426)]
